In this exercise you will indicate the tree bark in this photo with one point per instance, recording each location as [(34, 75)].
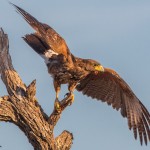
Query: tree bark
[(20, 107)]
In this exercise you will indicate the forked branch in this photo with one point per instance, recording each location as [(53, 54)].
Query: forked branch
[(21, 107)]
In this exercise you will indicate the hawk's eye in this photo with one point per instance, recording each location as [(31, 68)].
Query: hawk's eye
[(96, 65)]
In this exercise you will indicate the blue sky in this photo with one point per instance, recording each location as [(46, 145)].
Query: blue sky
[(115, 33)]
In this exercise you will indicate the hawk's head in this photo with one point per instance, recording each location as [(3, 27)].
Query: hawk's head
[(93, 66)]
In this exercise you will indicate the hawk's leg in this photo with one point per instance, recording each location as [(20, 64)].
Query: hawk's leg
[(71, 89), (57, 90)]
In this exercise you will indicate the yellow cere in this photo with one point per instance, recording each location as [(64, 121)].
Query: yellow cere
[(99, 68)]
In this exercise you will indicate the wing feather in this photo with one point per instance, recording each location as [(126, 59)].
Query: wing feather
[(111, 88)]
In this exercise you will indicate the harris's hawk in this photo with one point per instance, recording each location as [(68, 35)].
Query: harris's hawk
[(87, 76)]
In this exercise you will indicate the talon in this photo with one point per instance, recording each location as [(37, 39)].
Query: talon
[(57, 105), (66, 95), (71, 97)]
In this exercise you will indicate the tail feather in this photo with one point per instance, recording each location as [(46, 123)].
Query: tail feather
[(37, 44), (40, 47)]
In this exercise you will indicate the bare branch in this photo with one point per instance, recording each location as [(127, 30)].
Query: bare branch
[(59, 107), (5, 61), (7, 112), (64, 137), (11, 79), (22, 109)]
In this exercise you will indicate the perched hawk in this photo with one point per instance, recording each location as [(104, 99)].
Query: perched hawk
[(87, 76)]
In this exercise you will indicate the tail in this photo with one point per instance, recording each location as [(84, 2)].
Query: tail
[(37, 44), (40, 47)]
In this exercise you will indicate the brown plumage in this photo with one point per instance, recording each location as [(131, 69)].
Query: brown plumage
[(87, 76)]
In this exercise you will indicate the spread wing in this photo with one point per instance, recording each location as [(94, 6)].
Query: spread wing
[(46, 33), (111, 88)]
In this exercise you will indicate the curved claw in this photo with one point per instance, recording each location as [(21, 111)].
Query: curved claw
[(66, 95), (70, 97)]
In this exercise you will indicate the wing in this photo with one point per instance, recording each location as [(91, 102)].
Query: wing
[(46, 33), (111, 88)]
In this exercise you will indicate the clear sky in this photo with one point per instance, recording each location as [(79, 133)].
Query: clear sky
[(113, 32)]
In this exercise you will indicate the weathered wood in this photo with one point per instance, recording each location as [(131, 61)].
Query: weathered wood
[(21, 107)]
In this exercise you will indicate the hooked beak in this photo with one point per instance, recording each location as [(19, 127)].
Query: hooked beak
[(99, 68)]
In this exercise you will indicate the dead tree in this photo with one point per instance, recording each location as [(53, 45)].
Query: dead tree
[(21, 108)]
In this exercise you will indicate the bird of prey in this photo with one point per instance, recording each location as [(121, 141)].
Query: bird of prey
[(87, 76)]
